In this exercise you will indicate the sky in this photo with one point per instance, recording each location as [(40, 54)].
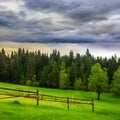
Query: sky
[(74, 21), (64, 49), (61, 21)]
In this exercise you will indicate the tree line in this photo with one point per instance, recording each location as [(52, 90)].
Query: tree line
[(80, 72)]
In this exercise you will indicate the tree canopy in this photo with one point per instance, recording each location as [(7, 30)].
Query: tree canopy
[(55, 71), (116, 82), (98, 79)]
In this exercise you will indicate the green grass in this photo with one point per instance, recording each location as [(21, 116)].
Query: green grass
[(108, 108)]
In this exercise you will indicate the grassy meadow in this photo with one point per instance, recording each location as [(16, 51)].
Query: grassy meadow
[(108, 108)]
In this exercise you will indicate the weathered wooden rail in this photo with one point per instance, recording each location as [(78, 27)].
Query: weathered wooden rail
[(10, 93)]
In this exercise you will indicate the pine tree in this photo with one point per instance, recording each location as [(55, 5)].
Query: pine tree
[(64, 82)]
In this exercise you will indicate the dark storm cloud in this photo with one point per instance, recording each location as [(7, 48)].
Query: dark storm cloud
[(115, 36), (84, 16), (93, 11), (60, 20), (42, 4), (82, 10), (4, 23), (7, 19), (51, 5), (10, 20)]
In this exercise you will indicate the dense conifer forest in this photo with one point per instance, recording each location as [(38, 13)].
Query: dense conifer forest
[(55, 71)]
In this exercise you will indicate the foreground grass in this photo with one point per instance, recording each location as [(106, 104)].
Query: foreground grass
[(108, 108)]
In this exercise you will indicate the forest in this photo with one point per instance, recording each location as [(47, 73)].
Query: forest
[(70, 71)]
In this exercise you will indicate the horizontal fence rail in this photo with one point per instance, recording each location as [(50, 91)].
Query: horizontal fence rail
[(11, 93), (18, 90)]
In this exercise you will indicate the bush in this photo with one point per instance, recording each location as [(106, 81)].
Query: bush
[(35, 84), (29, 83), (16, 102), (78, 84)]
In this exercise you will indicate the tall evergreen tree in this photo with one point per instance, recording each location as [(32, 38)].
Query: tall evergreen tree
[(3, 62), (64, 82)]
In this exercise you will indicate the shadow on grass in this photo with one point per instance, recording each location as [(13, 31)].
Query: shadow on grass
[(7, 113), (16, 102)]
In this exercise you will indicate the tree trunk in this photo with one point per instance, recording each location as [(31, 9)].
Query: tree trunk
[(99, 95)]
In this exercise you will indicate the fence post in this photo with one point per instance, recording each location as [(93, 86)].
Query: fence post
[(92, 105), (68, 102), (72, 99), (37, 97), (41, 97), (55, 98)]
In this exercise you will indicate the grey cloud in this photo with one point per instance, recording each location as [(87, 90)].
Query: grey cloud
[(115, 36), (74, 15), (103, 29), (100, 18), (51, 5), (81, 10), (1, 7), (41, 4), (8, 19), (4, 23), (93, 12), (22, 14), (11, 20), (85, 16), (37, 30)]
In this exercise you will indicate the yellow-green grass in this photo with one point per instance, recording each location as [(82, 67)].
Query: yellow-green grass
[(108, 108)]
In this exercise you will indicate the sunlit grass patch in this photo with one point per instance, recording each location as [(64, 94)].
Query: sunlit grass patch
[(19, 108)]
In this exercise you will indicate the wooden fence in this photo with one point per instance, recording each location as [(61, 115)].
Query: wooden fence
[(10, 93)]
